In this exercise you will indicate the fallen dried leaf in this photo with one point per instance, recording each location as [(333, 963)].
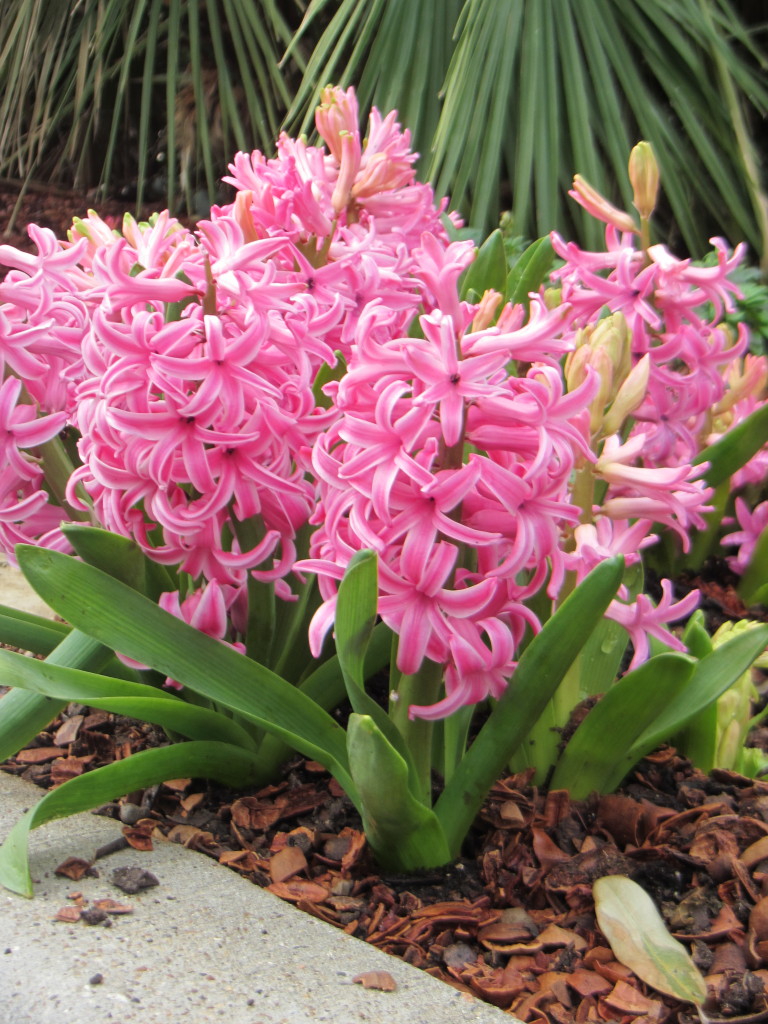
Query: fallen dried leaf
[(381, 980), (628, 918), (73, 867), (69, 915)]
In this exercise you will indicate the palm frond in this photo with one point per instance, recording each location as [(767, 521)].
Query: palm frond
[(90, 91)]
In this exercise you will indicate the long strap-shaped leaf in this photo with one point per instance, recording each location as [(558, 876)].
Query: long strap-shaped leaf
[(354, 624), (735, 448), (125, 620), (711, 677), (30, 632), (596, 757), (404, 834), (538, 674), (204, 759), (23, 715), (135, 700)]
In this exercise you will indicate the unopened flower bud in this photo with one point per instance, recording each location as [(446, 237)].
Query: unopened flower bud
[(596, 204), (600, 361), (747, 380), (630, 395), (350, 165), (336, 115), (611, 335), (576, 365), (486, 310), (243, 215), (644, 176)]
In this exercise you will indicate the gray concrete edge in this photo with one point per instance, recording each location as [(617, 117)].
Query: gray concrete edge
[(205, 944)]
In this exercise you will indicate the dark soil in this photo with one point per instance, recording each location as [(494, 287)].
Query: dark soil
[(51, 207)]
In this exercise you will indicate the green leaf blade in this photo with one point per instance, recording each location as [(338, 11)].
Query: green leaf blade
[(221, 761)]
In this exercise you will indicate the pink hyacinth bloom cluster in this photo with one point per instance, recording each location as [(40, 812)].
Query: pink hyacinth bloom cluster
[(752, 523), (188, 363), (673, 310), (462, 542), (45, 304), (191, 360)]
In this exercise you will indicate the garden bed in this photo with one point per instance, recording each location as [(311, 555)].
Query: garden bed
[(512, 922)]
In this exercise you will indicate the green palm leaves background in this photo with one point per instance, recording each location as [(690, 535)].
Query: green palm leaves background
[(506, 99)]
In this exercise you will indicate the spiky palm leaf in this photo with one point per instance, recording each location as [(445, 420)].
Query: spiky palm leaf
[(536, 90), (81, 84)]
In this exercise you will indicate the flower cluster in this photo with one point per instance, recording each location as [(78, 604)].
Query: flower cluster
[(462, 542), (304, 357)]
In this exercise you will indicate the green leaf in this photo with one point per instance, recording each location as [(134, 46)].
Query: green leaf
[(121, 557), (736, 448), (25, 714), (403, 833), (134, 700), (30, 632), (695, 636), (356, 610), (202, 759), (538, 674), (131, 624), (754, 579), (596, 757), (530, 272), (628, 918), (488, 269), (711, 677)]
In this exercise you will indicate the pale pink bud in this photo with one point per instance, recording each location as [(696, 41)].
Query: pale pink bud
[(611, 335), (744, 381), (600, 361), (630, 395), (486, 310), (644, 176), (336, 115), (576, 363), (243, 215), (350, 165), (597, 205)]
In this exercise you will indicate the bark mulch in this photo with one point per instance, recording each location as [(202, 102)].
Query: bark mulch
[(513, 922)]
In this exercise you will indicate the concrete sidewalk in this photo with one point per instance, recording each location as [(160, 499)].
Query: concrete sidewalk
[(203, 945)]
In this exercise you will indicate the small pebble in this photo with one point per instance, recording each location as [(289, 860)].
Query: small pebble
[(130, 813), (133, 880), (96, 979)]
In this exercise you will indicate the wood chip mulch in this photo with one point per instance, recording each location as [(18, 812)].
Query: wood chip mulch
[(512, 922)]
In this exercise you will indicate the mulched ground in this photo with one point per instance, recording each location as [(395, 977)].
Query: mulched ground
[(513, 922), (52, 207)]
